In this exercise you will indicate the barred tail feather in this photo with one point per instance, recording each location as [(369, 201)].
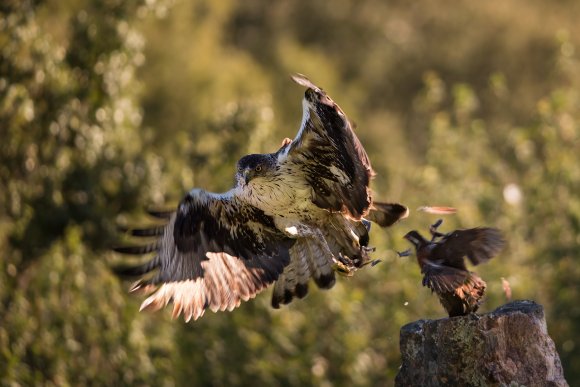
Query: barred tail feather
[(293, 282), (309, 258), (319, 258)]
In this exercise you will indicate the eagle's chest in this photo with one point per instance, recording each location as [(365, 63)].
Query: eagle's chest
[(286, 196)]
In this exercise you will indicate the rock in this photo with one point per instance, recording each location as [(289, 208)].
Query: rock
[(509, 346)]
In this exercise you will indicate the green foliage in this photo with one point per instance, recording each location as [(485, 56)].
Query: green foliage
[(70, 161), (107, 107)]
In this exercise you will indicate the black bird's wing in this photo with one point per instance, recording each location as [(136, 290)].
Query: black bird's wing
[(443, 279), (215, 252), (478, 244), (328, 152)]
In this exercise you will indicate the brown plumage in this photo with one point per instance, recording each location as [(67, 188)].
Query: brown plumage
[(293, 215), (442, 263)]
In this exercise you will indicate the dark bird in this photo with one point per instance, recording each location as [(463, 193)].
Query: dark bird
[(294, 214), (442, 263)]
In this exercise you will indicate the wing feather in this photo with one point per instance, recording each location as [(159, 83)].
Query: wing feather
[(442, 279), (330, 154), (478, 244), (215, 252)]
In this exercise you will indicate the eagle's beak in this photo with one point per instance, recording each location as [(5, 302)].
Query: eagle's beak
[(247, 176)]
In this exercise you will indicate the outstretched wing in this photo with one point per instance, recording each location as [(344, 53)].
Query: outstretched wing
[(215, 252), (330, 155), (478, 244)]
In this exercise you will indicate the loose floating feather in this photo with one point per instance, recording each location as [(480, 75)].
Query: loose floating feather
[(438, 210)]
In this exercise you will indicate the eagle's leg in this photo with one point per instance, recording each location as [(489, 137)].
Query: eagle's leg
[(358, 250), (320, 259), (343, 265)]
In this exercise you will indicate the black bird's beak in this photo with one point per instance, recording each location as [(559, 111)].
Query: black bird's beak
[(247, 176)]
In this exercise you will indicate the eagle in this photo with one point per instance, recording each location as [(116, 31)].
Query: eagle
[(298, 213), (442, 263)]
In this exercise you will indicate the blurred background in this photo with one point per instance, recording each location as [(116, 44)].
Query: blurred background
[(108, 107)]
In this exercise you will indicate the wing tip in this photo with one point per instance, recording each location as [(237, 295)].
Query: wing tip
[(387, 214), (160, 213), (150, 304), (303, 80), (137, 249), (492, 242), (124, 270), (175, 293)]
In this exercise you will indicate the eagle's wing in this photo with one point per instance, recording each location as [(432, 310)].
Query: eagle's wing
[(442, 279), (330, 155), (478, 244), (215, 252)]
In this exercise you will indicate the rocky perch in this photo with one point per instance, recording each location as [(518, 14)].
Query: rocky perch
[(509, 346)]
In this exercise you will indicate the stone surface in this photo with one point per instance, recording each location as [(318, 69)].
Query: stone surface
[(509, 346)]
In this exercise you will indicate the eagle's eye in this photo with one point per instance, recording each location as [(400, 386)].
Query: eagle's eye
[(258, 168), (240, 169)]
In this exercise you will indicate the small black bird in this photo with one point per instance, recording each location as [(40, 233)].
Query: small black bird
[(442, 263)]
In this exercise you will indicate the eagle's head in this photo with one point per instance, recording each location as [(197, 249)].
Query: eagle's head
[(251, 167)]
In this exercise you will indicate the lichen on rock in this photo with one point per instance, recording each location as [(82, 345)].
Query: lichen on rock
[(509, 346)]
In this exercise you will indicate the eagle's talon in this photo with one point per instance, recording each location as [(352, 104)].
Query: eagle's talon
[(342, 269), (344, 260)]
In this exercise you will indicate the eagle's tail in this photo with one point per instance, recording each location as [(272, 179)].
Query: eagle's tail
[(309, 257)]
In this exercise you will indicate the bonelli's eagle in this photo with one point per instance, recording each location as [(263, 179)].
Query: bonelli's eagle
[(294, 214)]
